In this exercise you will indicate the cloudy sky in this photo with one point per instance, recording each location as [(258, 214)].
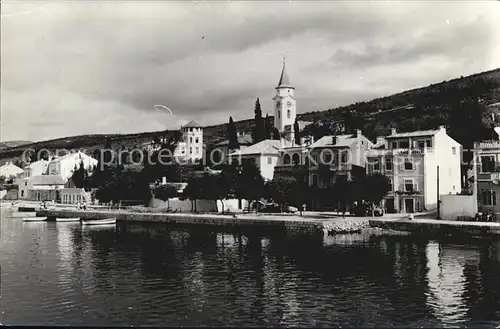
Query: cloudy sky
[(71, 68)]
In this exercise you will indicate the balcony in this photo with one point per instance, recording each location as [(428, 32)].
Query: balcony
[(407, 189), (485, 145), (400, 151)]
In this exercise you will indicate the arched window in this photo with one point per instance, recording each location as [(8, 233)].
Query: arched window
[(288, 114), (295, 158), (278, 113), (286, 159)]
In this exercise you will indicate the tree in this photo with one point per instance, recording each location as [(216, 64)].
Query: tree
[(249, 184), (268, 128), (192, 192), (276, 134), (376, 187), (165, 192), (296, 132), (285, 190), (124, 185), (258, 133), (342, 192), (80, 175), (232, 135)]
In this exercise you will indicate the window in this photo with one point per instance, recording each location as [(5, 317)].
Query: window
[(394, 145), (343, 157), (376, 165), (22, 192), (197, 150), (408, 164), (295, 158), (288, 114), (190, 150), (388, 163), (269, 160), (421, 144), (409, 187), (26, 183), (197, 140), (489, 198), (278, 113), (487, 163), (428, 143), (454, 150), (404, 144), (190, 139), (286, 159)]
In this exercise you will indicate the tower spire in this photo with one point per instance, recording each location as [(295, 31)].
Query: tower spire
[(284, 80)]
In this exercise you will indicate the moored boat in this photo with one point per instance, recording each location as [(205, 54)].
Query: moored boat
[(75, 219), (106, 221), (34, 219)]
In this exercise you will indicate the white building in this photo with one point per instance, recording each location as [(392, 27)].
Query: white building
[(65, 165), (264, 155), (10, 170), (41, 188), (36, 168), (190, 148), (411, 162)]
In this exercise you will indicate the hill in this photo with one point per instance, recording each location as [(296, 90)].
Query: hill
[(7, 144), (455, 103)]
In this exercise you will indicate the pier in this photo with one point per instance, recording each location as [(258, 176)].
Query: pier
[(433, 227), (305, 225)]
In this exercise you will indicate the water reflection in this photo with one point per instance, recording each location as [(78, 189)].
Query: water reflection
[(152, 275)]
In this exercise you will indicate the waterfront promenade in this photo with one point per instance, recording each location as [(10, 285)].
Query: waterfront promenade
[(312, 223)]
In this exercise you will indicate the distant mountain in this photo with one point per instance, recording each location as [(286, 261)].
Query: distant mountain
[(421, 108), (13, 143)]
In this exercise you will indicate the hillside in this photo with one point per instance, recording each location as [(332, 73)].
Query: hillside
[(7, 144), (421, 108)]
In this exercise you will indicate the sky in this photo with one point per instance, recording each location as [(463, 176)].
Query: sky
[(74, 67)]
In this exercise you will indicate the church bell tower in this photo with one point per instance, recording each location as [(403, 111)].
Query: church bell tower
[(285, 110)]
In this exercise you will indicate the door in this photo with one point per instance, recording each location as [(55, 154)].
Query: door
[(409, 206), (389, 205)]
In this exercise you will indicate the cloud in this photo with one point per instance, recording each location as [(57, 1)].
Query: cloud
[(99, 67)]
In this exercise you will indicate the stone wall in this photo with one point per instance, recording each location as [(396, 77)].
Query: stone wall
[(438, 227), (305, 226)]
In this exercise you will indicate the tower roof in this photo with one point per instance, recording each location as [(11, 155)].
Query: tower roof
[(284, 80), (192, 124)]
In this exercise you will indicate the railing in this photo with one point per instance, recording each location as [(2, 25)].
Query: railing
[(492, 144), (401, 151)]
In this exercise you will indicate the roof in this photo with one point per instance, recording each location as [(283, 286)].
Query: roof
[(419, 133), (342, 141), (303, 124), (31, 165), (242, 140), (284, 80), (267, 146), (10, 169), (47, 180), (192, 124)]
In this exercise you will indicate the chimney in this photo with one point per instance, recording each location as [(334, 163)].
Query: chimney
[(393, 131), (442, 128), (358, 132), (380, 140), (163, 180)]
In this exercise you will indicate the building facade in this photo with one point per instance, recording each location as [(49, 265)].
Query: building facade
[(65, 165), (487, 175), (411, 161)]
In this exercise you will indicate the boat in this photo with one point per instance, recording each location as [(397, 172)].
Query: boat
[(106, 221), (75, 219), (34, 219)]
